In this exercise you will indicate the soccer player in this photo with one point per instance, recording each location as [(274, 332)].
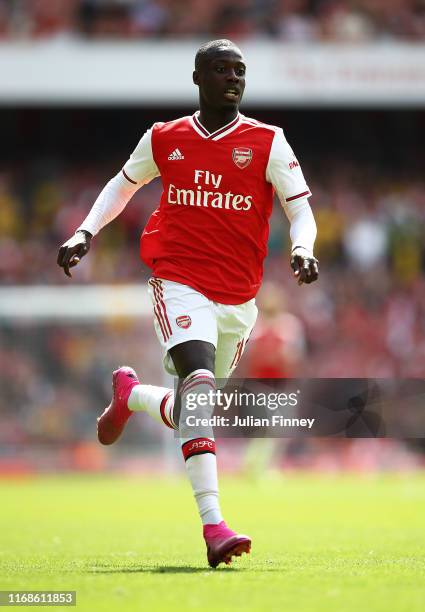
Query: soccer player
[(205, 244)]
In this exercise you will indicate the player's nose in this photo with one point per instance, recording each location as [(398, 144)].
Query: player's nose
[(232, 76)]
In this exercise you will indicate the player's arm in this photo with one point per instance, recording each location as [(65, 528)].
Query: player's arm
[(285, 174), (303, 233), (114, 197)]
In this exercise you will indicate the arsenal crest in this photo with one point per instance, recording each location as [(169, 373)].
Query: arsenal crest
[(184, 321), (242, 157)]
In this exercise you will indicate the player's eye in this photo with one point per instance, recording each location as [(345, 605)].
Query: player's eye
[(220, 68), (240, 71)]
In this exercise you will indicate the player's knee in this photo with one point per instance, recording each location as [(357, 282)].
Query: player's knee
[(197, 400), (193, 355)]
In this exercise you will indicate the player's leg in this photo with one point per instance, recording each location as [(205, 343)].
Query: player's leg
[(156, 401), (173, 324), (235, 324), (195, 364), (130, 396)]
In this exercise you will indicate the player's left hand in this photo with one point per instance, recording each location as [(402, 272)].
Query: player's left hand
[(71, 252), (304, 265)]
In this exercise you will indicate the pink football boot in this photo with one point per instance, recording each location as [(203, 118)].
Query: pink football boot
[(112, 422), (222, 543)]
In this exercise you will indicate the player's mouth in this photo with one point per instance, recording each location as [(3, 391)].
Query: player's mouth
[(231, 93)]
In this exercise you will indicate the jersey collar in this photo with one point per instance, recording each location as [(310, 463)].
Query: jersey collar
[(220, 133)]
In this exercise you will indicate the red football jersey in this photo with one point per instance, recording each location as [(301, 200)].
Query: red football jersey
[(211, 227)]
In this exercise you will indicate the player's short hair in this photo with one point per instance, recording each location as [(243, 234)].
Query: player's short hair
[(211, 47)]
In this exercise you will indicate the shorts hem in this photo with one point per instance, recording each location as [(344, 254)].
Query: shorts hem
[(171, 343)]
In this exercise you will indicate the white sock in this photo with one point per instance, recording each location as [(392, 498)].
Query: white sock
[(158, 402), (199, 452)]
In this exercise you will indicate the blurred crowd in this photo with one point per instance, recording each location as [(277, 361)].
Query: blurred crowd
[(287, 20)]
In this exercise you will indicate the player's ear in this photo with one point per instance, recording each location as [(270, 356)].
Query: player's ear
[(195, 77)]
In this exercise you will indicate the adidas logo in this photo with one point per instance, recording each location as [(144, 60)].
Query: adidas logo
[(176, 154)]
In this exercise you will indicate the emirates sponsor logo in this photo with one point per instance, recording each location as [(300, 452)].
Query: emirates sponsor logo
[(242, 157), (206, 193), (184, 321), (208, 199)]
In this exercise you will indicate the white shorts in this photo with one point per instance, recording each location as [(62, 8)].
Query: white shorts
[(182, 314)]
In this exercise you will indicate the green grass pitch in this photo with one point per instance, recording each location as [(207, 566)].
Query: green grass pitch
[(342, 543)]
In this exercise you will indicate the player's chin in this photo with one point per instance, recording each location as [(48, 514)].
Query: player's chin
[(230, 104)]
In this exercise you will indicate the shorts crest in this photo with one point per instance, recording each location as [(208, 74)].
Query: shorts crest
[(184, 321), (242, 157)]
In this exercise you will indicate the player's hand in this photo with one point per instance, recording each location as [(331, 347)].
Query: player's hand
[(71, 252), (304, 265)]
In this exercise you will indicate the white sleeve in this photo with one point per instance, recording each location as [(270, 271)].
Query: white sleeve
[(141, 168), (303, 226), (138, 170), (285, 174), (109, 204)]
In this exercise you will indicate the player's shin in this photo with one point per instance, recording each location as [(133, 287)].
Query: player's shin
[(158, 402), (198, 445)]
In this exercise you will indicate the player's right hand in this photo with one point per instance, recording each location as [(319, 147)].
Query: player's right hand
[(71, 252)]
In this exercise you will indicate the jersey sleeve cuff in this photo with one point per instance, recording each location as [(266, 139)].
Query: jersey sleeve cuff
[(304, 194), (128, 178), (85, 228)]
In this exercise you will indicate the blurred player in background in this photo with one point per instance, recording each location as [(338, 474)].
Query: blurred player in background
[(276, 349), (205, 244), (278, 344)]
